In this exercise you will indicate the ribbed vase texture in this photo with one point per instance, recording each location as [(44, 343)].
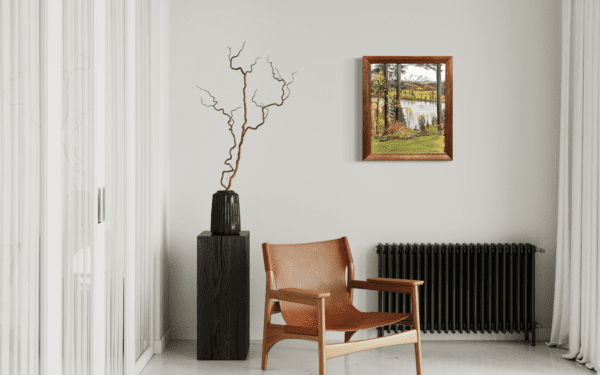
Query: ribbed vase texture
[(225, 214)]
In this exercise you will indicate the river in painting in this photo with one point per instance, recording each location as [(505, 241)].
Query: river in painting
[(419, 108)]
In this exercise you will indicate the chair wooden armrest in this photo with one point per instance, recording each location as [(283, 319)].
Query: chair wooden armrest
[(386, 285), (304, 296), (383, 280)]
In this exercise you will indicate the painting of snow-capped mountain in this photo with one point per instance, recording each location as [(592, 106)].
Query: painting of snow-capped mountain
[(409, 106)]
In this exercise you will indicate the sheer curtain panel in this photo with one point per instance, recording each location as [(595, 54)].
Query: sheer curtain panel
[(145, 208), (75, 120), (19, 186), (78, 185), (116, 186), (576, 322)]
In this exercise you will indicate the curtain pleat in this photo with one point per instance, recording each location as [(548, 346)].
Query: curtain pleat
[(144, 285), (116, 203), (77, 189), (19, 186), (575, 323)]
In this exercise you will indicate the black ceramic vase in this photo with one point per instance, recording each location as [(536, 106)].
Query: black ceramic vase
[(225, 213)]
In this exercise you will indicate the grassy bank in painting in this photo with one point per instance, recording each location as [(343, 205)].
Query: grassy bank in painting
[(419, 145)]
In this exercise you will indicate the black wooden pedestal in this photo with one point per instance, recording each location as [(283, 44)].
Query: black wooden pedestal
[(223, 296)]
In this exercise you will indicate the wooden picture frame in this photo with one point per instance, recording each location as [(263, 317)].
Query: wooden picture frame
[(403, 140)]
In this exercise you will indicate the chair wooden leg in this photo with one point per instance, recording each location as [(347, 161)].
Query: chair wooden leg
[(414, 299), (321, 331), (265, 349), (348, 335), (418, 357)]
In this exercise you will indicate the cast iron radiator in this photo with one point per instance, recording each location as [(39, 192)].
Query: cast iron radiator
[(468, 288)]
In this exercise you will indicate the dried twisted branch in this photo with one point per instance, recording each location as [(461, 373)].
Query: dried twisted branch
[(265, 108), (285, 93), (230, 122)]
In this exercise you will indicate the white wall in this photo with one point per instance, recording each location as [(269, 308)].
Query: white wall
[(302, 177)]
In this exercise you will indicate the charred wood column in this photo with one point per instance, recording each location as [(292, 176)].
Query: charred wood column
[(223, 296)]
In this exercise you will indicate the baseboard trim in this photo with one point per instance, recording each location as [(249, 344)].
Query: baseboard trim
[(160, 345), (143, 360)]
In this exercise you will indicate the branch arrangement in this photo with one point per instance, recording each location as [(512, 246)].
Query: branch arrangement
[(285, 93)]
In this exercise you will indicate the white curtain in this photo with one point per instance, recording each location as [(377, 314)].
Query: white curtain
[(19, 186), (21, 183), (144, 206), (78, 185), (576, 321), (116, 177)]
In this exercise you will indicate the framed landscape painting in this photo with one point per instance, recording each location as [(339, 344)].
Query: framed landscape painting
[(407, 108)]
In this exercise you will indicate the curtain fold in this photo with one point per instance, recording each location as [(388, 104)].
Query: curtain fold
[(576, 321), (116, 177), (144, 158), (20, 183), (77, 185), (19, 186)]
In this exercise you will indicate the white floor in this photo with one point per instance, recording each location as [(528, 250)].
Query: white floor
[(295, 357)]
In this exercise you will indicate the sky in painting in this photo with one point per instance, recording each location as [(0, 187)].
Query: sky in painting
[(416, 70)]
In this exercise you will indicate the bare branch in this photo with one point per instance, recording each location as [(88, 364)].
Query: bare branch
[(279, 79), (265, 114), (214, 105), (264, 108), (288, 86), (239, 52), (235, 110), (252, 66), (229, 159), (264, 111), (258, 105), (231, 58), (230, 122), (273, 70)]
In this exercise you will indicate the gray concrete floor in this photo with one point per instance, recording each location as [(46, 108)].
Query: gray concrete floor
[(296, 357)]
